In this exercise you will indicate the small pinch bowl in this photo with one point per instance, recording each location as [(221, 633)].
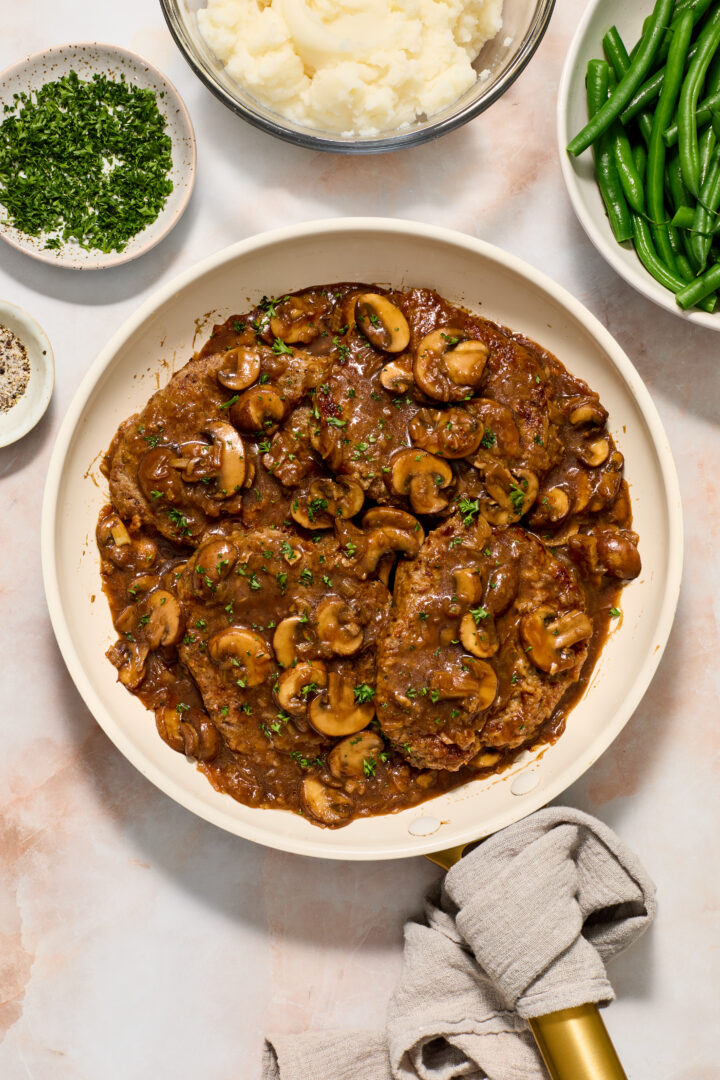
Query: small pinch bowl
[(29, 410), (88, 59), (500, 62), (579, 173), (163, 333)]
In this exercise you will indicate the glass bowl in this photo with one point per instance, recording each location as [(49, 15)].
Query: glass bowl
[(499, 64)]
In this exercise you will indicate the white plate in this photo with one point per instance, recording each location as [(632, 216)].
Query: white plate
[(162, 334), (579, 173), (88, 59), (23, 416)]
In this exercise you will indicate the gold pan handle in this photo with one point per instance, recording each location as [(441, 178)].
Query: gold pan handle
[(574, 1043)]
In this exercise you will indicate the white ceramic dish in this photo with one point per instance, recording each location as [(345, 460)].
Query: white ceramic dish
[(87, 59), (23, 417), (161, 335), (578, 173)]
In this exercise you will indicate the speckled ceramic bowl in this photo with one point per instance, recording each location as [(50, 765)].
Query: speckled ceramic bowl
[(163, 333), (87, 59)]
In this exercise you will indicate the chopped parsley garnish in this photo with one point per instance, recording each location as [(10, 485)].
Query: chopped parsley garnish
[(479, 613), (270, 306), (84, 160), (179, 521), (364, 693), (229, 402), (489, 439), (468, 508), (335, 422), (615, 612), (369, 766), (280, 348), (238, 326), (306, 577)]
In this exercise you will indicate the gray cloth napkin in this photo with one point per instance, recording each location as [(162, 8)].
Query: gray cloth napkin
[(522, 926)]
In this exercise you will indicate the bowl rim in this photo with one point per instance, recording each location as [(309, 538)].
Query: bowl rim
[(375, 145), (107, 261), (410, 845), (602, 238)]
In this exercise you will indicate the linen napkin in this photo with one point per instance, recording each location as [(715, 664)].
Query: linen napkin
[(522, 926)]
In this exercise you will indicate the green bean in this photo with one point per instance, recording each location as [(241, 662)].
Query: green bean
[(681, 198), (702, 116), (684, 267), (654, 181), (695, 294), (605, 166), (683, 217), (630, 81), (655, 266), (617, 55), (643, 97), (706, 210), (687, 107), (631, 183), (640, 159), (706, 145)]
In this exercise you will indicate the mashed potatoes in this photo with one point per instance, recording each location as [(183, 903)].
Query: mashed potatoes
[(357, 67)]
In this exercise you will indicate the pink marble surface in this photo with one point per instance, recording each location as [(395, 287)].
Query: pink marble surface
[(138, 942)]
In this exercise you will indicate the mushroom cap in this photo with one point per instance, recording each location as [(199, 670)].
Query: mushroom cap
[(509, 494), (291, 682), (548, 637), (467, 584), (381, 322), (233, 467), (325, 500), (337, 626), (156, 473), (295, 319), (285, 640), (594, 452), (618, 553), (212, 563), (243, 367), (421, 477), (448, 366), (479, 635), (336, 713), (259, 409), (387, 531), (585, 410), (475, 685), (132, 671), (326, 804), (240, 647), (166, 623), (451, 433), (346, 758), (396, 377)]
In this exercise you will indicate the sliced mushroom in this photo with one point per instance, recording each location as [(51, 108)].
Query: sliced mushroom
[(241, 648), (337, 627), (448, 366), (381, 322), (285, 640), (549, 637), (296, 683), (326, 804), (325, 500), (608, 485), (485, 759), (451, 433), (212, 563), (467, 585), (259, 409), (165, 619), (594, 453), (335, 712), (475, 685), (233, 468), (552, 506), (167, 722), (158, 478), (510, 494), (132, 672), (117, 545), (142, 585), (200, 736), (618, 553), (478, 633), (197, 461), (243, 367), (347, 757), (502, 587), (327, 441), (581, 411), (388, 531), (396, 378), (296, 319), (421, 477)]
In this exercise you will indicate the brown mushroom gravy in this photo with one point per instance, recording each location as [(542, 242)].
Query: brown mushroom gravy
[(362, 548)]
